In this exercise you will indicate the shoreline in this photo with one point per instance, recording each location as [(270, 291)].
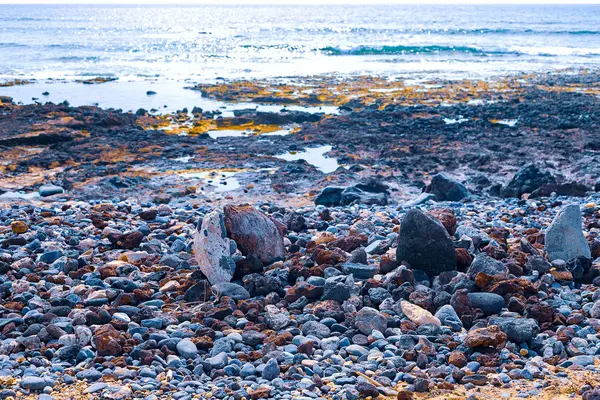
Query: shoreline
[(321, 305)]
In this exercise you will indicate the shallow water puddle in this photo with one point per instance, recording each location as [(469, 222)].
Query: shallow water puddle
[(183, 159), (237, 133), (221, 181), (19, 195), (507, 122), (314, 156), (459, 120)]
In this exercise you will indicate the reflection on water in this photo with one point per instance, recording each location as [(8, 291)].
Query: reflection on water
[(20, 195), (459, 120), (237, 133), (220, 181), (314, 156)]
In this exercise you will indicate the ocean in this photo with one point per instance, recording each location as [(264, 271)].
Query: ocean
[(204, 43)]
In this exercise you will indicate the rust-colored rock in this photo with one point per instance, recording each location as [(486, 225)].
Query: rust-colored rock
[(254, 233), (463, 259), (491, 336), (329, 257), (19, 227), (562, 275), (262, 392), (447, 218), (349, 243), (108, 341), (458, 359), (132, 240), (300, 289)]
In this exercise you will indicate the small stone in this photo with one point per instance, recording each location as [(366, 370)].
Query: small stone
[(491, 336), (271, 370), (489, 303), (368, 319), (359, 271), (187, 349), (487, 265), (418, 315), (36, 383), (366, 389), (19, 227), (49, 190)]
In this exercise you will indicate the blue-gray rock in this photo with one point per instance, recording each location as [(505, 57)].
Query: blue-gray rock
[(218, 361), (95, 387), (355, 195), (315, 328), (330, 343), (337, 288), (425, 244), (36, 382), (564, 237), (50, 256), (271, 370), (369, 319), (232, 290), (50, 190), (420, 199), (356, 350), (247, 370), (359, 271), (517, 330), (187, 349), (489, 303), (329, 196), (487, 265), (582, 361), (526, 180), (448, 317)]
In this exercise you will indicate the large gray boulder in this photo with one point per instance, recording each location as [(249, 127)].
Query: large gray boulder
[(446, 189), (212, 249), (564, 237), (254, 233), (424, 243)]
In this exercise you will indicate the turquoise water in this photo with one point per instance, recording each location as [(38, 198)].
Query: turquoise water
[(203, 43)]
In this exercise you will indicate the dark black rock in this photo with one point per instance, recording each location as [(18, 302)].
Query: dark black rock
[(330, 196), (425, 244), (526, 180), (446, 189)]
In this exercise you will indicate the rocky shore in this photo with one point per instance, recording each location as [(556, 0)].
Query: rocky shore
[(453, 253)]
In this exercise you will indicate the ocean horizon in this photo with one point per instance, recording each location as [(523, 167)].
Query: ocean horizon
[(206, 42)]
